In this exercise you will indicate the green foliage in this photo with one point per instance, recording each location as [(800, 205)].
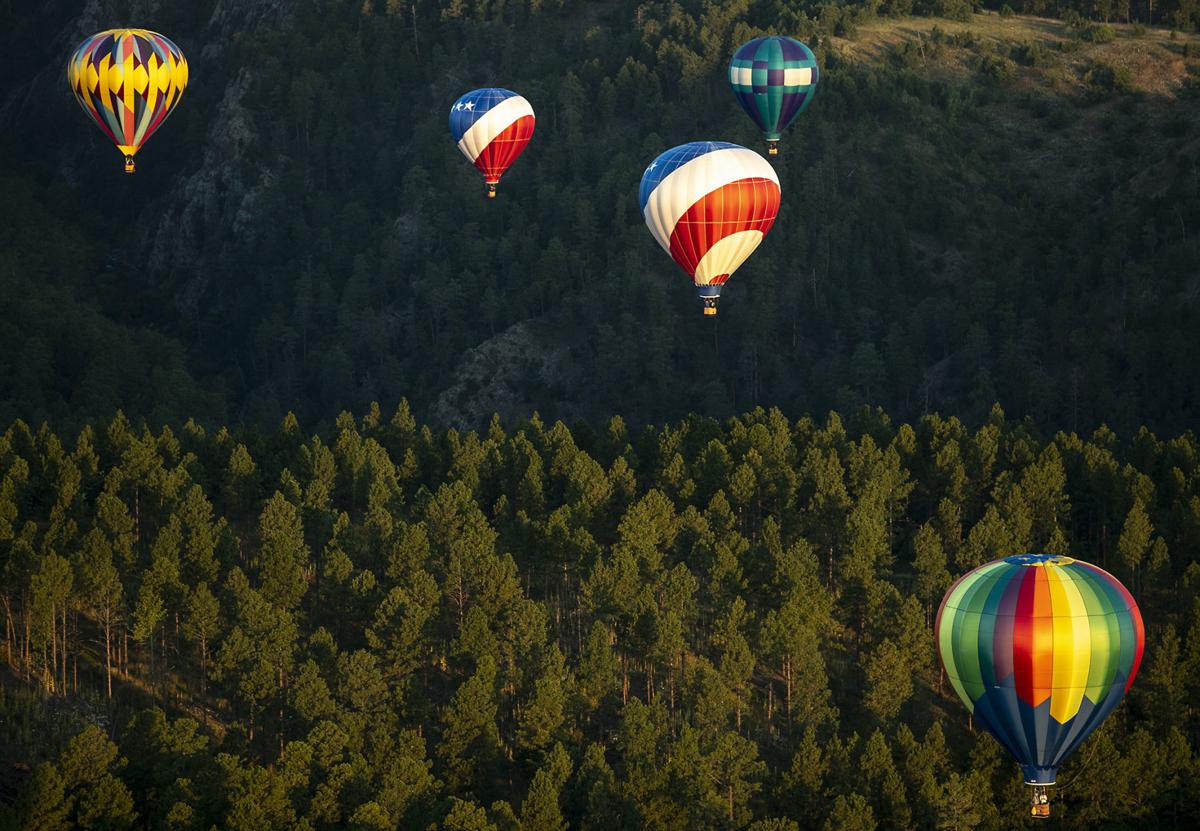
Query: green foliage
[(1103, 79), (1097, 33), (651, 654)]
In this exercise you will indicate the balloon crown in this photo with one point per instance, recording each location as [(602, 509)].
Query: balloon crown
[(1039, 559)]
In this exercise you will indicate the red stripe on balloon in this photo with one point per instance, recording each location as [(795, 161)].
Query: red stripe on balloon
[(745, 205), (503, 150), (1023, 637)]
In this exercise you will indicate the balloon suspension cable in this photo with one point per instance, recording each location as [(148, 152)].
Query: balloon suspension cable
[(772, 147), (491, 191), (1079, 771), (1039, 802), (129, 165)]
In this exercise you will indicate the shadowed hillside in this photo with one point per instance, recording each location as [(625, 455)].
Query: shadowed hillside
[(997, 209)]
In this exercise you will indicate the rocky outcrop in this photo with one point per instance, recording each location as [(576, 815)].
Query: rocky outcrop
[(218, 197), (513, 374)]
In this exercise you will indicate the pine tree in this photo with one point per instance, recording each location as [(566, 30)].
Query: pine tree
[(1166, 679), (929, 561), (737, 773), (100, 799), (541, 811), (543, 715), (466, 816), (851, 813), (102, 594), (44, 804), (804, 781), (200, 626), (596, 677), (469, 736), (1134, 542), (283, 555)]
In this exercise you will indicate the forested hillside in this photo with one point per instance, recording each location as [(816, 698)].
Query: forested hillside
[(697, 625), (994, 208)]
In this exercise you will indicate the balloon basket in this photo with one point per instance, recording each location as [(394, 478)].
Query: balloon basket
[(129, 165), (491, 191), (1039, 803), (772, 148)]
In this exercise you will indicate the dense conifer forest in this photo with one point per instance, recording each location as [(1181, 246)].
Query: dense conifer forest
[(695, 592), (699, 625)]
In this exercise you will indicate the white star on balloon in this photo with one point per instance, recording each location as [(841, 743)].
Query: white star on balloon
[(470, 105)]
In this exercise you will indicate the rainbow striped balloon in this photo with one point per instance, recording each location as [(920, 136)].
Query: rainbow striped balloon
[(1040, 648)]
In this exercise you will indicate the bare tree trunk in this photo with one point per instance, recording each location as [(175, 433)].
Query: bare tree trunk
[(671, 696), (9, 631), (279, 727), (108, 657), (624, 680), (787, 680), (162, 671), (204, 672), (416, 43), (65, 638), (53, 645)]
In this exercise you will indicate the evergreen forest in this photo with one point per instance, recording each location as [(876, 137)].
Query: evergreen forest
[(700, 625)]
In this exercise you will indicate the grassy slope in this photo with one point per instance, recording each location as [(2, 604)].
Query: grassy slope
[(1159, 75), (1154, 55)]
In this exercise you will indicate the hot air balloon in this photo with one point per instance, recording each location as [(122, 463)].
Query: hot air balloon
[(492, 126), (1040, 648), (773, 79), (709, 204), (128, 81)]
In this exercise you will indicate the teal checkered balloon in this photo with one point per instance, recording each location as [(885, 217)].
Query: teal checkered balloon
[(773, 79)]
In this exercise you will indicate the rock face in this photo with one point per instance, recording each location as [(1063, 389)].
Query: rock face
[(218, 197), (501, 375), (230, 16)]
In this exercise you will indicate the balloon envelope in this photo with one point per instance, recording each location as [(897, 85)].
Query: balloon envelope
[(1040, 648), (774, 79), (492, 126), (128, 81), (709, 204)]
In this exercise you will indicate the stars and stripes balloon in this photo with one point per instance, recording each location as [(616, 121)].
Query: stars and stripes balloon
[(128, 81), (709, 204), (492, 126), (1040, 648), (774, 79)]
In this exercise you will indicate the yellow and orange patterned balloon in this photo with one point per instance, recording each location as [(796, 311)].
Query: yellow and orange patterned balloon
[(128, 81)]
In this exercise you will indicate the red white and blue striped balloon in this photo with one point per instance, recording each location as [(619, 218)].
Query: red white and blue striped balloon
[(492, 126), (709, 204)]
